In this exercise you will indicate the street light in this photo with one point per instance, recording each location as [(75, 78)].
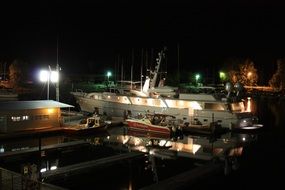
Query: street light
[(249, 74), (197, 77), (222, 76), (46, 76), (108, 75)]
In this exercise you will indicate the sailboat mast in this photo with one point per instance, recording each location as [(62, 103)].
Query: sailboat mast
[(132, 68), (131, 76), (178, 62), (57, 70), (141, 76)]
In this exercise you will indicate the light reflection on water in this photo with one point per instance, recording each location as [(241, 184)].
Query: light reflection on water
[(163, 158), (28, 143), (270, 110)]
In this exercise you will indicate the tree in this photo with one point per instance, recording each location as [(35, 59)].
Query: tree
[(231, 67), (248, 73), (15, 73), (277, 82), (3, 70), (233, 76), (242, 71)]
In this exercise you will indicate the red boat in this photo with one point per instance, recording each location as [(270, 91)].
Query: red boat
[(146, 134), (158, 123)]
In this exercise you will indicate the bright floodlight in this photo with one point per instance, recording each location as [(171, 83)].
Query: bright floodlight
[(109, 74), (197, 76), (54, 76), (44, 76)]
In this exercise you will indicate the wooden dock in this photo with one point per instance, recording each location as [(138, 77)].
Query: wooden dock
[(44, 148), (87, 166), (188, 178)]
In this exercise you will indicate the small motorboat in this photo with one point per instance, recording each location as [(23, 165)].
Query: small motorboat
[(91, 124), (155, 123), (213, 128)]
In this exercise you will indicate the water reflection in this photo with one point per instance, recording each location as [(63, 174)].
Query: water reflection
[(162, 157), (194, 146), (20, 144), (226, 148), (270, 110)]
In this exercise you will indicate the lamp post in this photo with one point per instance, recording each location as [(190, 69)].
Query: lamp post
[(57, 84), (197, 77), (108, 75), (222, 76), (47, 76)]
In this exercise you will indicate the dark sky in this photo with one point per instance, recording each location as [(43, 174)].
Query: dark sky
[(93, 33)]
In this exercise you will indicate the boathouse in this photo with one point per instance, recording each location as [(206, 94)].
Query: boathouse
[(26, 115)]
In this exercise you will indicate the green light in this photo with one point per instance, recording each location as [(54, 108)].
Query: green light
[(222, 75), (109, 74), (197, 77)]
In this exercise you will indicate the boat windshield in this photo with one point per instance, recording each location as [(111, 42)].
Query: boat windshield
[(237, 107)]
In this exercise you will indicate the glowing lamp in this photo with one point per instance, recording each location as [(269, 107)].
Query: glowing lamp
[(54, 76), (44, 76)]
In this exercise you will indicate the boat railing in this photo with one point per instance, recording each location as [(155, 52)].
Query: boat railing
[(78, 90)]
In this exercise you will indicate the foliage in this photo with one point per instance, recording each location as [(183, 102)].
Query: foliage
[(15, 73), (243, 72), (3, 71), (248, 73), (173, 79), (231, 67), (18, 73), (277, 82), (233, 76)]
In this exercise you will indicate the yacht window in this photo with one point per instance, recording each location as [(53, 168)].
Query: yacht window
[(238, 106), (214, 106)]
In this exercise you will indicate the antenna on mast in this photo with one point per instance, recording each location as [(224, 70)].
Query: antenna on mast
[(153, 79), (57, 70)]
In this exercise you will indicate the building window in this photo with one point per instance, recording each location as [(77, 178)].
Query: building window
[(41, 117), (45, 117), (25, 117), (16, 118), (20, 118)]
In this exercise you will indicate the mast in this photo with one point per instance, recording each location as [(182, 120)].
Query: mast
[(156, 69), (57, 70), (131, 76), (141, 77), (178, 62), (132, 68)]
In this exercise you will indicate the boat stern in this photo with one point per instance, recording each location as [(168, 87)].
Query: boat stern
[(247, 121)]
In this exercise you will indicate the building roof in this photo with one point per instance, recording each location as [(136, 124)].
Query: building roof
[(33, 104)]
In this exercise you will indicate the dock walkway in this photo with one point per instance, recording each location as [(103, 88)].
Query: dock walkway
[(188, 178), (87, 166), (43, 148)]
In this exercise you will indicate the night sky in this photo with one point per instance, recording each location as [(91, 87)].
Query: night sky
[(91, 34)]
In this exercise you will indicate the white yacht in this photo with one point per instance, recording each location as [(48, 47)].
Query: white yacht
[(228, 110)]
